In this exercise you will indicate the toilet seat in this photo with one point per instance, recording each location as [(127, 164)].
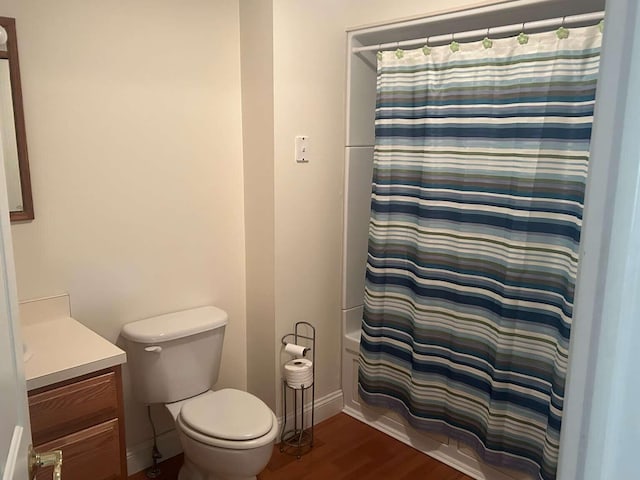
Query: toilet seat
[(228, 414), (228, 418)]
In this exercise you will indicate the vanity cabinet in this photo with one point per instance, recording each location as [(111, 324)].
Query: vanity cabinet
[(84, 418)]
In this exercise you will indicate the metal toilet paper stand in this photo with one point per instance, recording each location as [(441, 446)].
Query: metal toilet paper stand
[(299, 438)]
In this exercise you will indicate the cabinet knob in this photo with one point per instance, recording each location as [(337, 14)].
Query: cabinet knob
[(45, 459)]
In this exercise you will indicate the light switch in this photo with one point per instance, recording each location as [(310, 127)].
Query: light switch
[(302, 149)]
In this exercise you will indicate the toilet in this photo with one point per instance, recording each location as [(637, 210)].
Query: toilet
[(174, 359)]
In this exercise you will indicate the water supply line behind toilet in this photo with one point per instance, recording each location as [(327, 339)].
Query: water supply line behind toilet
[(154, 471)]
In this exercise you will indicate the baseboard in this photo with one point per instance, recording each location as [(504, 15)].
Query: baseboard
[(326, 407), (139, 456), (448, 454)]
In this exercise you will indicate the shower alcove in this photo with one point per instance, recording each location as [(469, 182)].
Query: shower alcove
[(359, 141)]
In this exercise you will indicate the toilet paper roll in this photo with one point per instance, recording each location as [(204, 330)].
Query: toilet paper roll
[(300, 378), (299, 372), (298, 365), (297, 350)]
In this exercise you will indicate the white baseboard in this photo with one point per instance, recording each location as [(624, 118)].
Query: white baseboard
[(326, 407), (139, 456)]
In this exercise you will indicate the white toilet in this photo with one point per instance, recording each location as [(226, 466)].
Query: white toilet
[(174, 359)]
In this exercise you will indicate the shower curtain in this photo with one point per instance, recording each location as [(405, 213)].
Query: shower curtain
[(479, 171)]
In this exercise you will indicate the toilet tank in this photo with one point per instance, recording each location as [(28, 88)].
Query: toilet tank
[(175, 356)]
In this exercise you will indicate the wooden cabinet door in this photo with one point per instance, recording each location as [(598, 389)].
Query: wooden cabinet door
[(93, 453), (63, 410)]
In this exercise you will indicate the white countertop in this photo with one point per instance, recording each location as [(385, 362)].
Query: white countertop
[(62, 348)]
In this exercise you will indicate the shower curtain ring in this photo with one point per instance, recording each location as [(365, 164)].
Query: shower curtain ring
[(562, 32), (426, 50), (399, 52), (487, 43), (523, 38), (455, 46)]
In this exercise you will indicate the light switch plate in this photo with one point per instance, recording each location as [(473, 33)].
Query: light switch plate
[(302, 149)]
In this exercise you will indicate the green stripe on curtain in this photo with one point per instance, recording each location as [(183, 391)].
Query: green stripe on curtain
[(478, 190)]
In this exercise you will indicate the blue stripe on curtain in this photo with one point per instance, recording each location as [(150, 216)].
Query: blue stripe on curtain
[(479, 173)]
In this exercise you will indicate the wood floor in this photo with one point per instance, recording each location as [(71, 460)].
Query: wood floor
[(346, 449)]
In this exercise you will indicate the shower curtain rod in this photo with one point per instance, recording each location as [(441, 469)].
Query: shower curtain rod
[(584, 18)]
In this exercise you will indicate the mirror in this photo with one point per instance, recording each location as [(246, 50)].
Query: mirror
[(13, 137)]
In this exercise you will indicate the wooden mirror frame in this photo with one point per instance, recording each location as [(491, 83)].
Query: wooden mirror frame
[(11, 54)]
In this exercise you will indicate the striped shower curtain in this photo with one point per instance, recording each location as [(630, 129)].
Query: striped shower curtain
[(481, 158)]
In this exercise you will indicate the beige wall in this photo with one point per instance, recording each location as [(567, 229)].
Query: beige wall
[(256, 40), (133, 115), (309, 98), (372, 12)]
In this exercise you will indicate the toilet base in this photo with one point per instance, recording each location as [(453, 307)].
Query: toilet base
[(208, 462), (218, 459), (191, 472)]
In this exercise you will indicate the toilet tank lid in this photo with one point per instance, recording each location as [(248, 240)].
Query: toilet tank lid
[(171, 326)]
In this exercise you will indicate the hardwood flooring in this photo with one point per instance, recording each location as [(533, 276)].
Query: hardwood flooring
[(346, 449), (169, 470)]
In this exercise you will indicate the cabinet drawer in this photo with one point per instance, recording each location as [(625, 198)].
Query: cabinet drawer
[(93, 453), (59, 411)]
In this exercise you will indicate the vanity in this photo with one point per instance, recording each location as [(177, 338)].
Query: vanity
[(74, 384)]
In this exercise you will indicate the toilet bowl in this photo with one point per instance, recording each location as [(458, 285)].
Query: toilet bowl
[(226, 435), (174, 360)]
